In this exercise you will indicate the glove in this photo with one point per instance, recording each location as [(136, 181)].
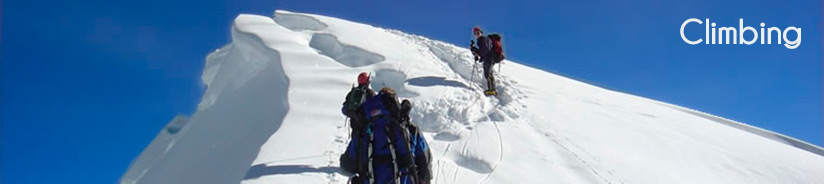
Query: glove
[(472, 47)]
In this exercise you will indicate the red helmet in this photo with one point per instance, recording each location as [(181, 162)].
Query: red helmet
[(476, 29), (363, 78)]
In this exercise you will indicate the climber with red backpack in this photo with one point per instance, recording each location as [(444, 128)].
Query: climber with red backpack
[(489, 52)]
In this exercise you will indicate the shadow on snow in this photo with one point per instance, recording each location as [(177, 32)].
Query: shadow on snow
[(260, 170), (434, 81)]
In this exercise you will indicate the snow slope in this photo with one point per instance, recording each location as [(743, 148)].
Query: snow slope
[(271, 114)]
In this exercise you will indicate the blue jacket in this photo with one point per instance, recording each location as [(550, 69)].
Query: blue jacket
[(386, 134)]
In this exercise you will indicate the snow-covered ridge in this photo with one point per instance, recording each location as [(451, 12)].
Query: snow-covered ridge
[(271, 114), (219, 142), (755, 130)]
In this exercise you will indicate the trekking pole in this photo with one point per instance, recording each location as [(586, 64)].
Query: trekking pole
[(472, 78), (499, 67), (475, 63), (348, 130)]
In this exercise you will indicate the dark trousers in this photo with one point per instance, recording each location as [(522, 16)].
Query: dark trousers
[(490, 79)]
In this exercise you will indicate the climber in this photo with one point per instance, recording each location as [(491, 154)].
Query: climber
[(489, 52), (390, 148), (356, 96)]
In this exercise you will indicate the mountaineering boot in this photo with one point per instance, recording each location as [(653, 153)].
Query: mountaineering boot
[(490, 92), (490, 83)]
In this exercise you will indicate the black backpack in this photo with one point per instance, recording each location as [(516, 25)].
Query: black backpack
[(497, 48)]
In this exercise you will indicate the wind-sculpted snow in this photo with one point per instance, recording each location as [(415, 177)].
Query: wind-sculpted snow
[(233, 65), (271, 114), (348, 55), (219, 143), (298, 22), (393, 79)]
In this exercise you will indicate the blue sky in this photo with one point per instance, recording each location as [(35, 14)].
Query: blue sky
[(86, 85)]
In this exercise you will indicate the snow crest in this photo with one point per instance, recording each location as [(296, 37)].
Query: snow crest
[(220, 141), (271, 114)]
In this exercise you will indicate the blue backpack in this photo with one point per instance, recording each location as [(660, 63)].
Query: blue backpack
[(385, 152)]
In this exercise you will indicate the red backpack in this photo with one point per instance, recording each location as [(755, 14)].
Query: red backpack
[(497, 48)]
